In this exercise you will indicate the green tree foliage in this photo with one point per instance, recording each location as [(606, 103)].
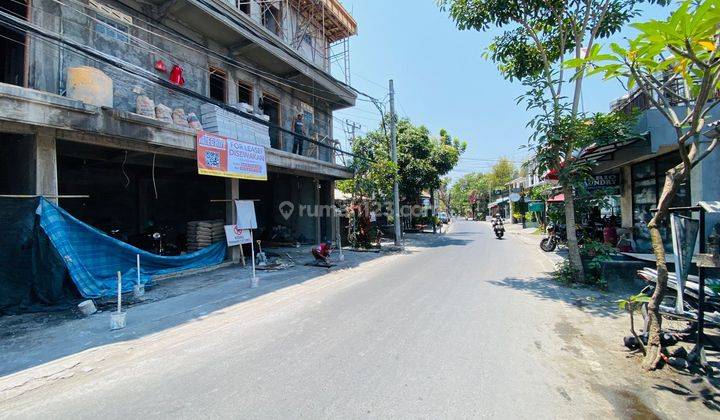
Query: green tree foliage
[(683, 50), (422, 162), (473, 184), (537, 37), (502, 172)]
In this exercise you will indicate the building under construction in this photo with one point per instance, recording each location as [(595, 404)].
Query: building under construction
[(101, 102)]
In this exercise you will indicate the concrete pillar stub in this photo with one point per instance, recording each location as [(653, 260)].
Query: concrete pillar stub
[(45, 153), (232, 192)]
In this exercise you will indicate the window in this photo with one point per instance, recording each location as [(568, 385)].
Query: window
[(271, 18), (243, 6), (648, 179), (245, 93), (12, 47), (218, 84)]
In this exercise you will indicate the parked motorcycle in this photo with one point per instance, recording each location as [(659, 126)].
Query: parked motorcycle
[(557, 235)]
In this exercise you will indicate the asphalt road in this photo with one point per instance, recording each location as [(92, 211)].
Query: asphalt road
[(459, 327)]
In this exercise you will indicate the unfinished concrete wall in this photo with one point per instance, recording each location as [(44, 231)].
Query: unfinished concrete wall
[(139, 45)]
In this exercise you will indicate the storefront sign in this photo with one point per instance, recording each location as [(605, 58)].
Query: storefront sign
[(236, 236), (230, 158), (604, 181), (536, 207)]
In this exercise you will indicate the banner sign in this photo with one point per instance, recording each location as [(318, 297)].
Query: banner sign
[(604, 181), (245, 210), (236, 236), (684, 235), (230, 158)]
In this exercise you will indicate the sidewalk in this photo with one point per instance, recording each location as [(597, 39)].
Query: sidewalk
[(42, 346), (532, 236), (34, 339)]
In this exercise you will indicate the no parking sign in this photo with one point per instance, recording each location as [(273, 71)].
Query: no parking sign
[(237, 236)]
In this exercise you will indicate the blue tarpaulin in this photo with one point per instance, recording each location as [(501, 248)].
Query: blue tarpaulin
[(94, 258)]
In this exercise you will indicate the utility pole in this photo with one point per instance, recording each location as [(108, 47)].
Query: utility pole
[(351, 127), (393, 152)]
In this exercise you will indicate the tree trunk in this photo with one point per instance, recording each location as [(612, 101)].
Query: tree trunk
[(572, 242), (654, 348), (432, 209)]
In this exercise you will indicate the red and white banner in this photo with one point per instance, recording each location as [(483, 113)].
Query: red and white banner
[(221, 156)]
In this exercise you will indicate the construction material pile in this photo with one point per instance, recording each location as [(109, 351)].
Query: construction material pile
[(203, 233), (234, 126)]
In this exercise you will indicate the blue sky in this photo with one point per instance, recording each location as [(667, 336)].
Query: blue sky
[(442, 81)]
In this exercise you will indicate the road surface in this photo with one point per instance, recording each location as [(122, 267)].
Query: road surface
[(461, 326)]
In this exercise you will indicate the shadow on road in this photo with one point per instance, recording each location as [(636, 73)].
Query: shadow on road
[(709, 397), (587, 300)]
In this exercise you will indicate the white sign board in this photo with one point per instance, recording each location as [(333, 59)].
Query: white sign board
[(245, 210), (514, 197), (236, 236)]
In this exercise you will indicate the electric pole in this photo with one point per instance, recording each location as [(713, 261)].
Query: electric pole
[(393, 152), (351, 127)]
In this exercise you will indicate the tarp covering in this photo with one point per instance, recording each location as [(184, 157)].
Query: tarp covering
[(93, 258), (31, 271)]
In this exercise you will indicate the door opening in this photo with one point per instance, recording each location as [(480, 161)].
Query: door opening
[(12, 46)]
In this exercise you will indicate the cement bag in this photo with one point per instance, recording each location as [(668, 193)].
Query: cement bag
[(163, 113), (145, 106), (194, 122), (179, 117)]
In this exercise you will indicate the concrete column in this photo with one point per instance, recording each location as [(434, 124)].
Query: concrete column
[(232, 88), (232, 192), (45, 157), (334, 221), (626, 212), (318, 217)]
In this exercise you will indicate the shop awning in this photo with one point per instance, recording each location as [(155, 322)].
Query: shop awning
[(498, 202), (560, 198), (606, 151)]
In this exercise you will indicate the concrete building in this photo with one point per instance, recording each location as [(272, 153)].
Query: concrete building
[(639, 167), (138, 171)]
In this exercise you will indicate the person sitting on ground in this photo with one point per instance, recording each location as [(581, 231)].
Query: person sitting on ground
[(322, 252)]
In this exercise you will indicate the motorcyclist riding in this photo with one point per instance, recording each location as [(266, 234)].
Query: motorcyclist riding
[(498, 227)]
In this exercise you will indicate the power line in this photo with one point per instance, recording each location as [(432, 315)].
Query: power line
[(57, 40)]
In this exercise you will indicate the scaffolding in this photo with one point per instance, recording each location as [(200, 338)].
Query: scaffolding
[(318, 29)]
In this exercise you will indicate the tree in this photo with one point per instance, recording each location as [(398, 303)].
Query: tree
[(538, 37), (374, 170), (470, 185), (683, 50), (444, 194), (422, 161), (502, 172)]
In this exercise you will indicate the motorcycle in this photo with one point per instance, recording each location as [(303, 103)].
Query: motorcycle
[(498, 228), (558, 235)]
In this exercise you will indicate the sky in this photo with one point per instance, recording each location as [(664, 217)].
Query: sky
[(442, 81)]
